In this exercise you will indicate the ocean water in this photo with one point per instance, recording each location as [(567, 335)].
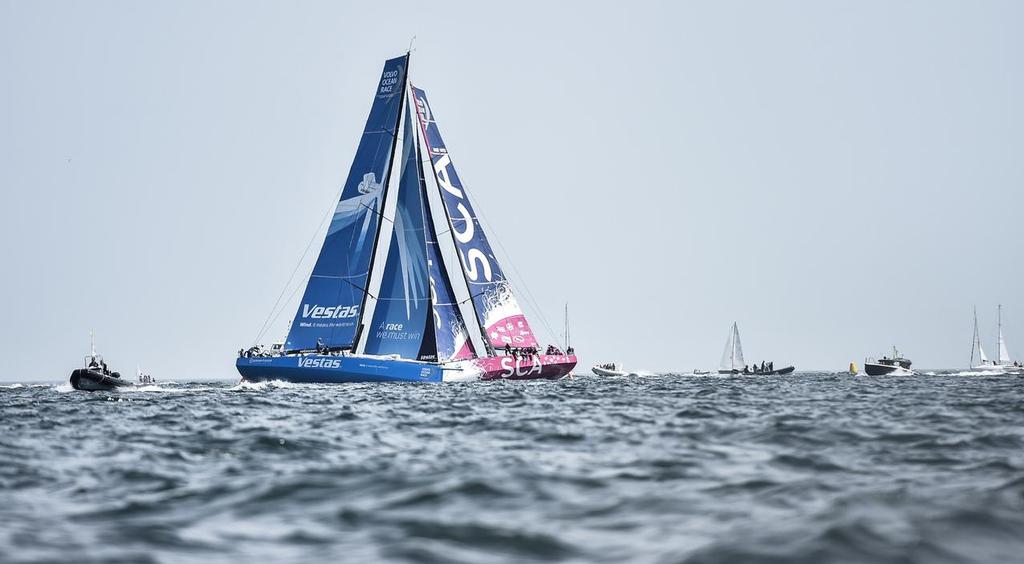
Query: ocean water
[(664, 468)]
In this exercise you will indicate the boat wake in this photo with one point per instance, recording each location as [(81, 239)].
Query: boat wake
[(244, 386), (977, 373)]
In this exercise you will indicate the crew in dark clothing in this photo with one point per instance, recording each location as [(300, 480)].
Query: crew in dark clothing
[(762, 366), (771, 366)]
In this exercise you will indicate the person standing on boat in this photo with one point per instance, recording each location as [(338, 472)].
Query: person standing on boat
[(771, 366)]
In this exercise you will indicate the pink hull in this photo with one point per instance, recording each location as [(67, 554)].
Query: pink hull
[(546, 366)]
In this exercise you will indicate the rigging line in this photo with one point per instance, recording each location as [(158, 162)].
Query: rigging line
[(527, 293), (267, 322), (467, 299), (526, 289), (377, 212), (280, 311), (360, 288)]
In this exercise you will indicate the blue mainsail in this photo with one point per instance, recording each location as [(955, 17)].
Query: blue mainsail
[(402, 321), (331, 305), (498, 312)]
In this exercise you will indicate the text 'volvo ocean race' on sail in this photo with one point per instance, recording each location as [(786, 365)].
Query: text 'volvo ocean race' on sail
[(397, 318)]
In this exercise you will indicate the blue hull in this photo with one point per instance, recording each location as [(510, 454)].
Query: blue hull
[(319, 369)]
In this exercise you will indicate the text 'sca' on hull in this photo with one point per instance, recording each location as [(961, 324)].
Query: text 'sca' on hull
[(540, 367)]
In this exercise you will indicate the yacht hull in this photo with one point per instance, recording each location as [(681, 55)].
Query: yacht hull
[(323, 369), (540, 367), (873, 369)]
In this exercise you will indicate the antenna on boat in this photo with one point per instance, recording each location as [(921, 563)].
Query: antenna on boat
[(566, 325), (409, 50), (92, 344)]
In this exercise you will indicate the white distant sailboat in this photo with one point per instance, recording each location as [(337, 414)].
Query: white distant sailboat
[(1002, 362), (732, 356), (733, 363)]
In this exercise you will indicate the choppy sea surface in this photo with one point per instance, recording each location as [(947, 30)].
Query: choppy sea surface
[(662, 468)]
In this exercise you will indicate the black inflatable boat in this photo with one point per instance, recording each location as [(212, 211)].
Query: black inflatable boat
[(92, 380)]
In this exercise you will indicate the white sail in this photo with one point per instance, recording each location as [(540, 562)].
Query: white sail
[(726, 363), (981, 353), (737, 349), (977, 343), (1004, 355), (732, 356)]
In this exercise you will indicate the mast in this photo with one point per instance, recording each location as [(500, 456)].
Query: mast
[(566, 326), (488, 348), (380, 224), (502, 321), (1002, 355), (452, 338), (732, 349), (974, 340)]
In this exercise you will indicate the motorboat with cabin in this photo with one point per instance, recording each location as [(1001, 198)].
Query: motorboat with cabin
[(896, 365), (380, 304)]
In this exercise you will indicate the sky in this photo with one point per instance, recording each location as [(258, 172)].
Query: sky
[(836, 177)]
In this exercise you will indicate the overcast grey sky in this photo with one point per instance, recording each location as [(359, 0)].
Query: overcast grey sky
[(837, 177)]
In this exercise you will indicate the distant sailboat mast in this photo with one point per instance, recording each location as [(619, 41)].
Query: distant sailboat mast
[(976, 344), (1004, 355), (567, 326)]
